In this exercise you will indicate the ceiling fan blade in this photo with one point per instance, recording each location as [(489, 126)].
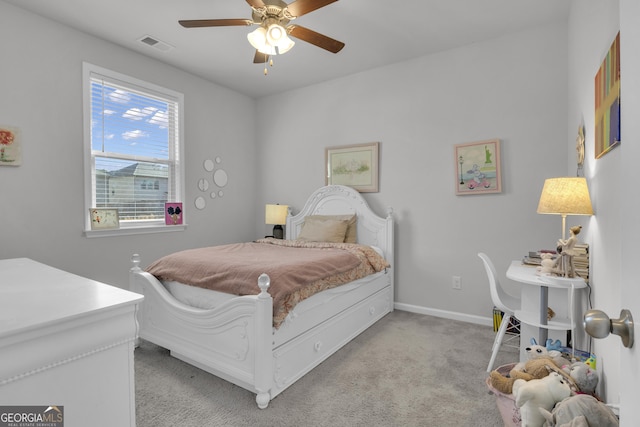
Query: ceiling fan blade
[(260, 58), (301, 7), (256, 3), (195, 23), (314, 38)]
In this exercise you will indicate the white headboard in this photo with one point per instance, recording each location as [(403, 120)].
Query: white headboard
[(373, 230)]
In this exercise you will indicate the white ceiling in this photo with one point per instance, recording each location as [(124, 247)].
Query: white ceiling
[(375, 32)]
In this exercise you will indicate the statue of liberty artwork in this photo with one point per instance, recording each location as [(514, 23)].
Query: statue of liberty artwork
[(478, 167)]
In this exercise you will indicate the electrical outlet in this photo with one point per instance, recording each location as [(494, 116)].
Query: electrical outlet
[(456, 283)]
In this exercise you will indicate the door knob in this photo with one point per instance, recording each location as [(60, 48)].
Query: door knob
[(598, 325)]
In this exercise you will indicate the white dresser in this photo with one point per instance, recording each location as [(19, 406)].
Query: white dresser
[(68, 341)]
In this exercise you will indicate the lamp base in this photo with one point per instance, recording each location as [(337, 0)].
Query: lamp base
[(278, 232)]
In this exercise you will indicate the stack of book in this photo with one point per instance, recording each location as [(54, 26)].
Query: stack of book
[(534, 257), (581, 260)]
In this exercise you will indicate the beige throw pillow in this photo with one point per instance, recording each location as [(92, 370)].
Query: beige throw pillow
[(323, 230), (352, 227)]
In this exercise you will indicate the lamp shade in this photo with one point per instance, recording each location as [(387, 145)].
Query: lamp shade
[(565, 196), (271, 41), (276, 214), (258, 38), (277, 37)]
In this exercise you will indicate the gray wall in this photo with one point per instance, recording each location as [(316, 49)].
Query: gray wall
[(513, 88), (592, 28), (42, 200)]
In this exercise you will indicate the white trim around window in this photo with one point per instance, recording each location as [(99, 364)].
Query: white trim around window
[(133, 151)]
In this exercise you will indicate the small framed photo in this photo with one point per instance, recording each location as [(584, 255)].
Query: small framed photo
[(10, 151), (173, 213), (104, 219), (355, 166), (478, 167)]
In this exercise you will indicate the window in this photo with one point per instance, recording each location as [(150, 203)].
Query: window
[(133, 149)]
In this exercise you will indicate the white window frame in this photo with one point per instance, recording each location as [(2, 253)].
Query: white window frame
[(176, 168)]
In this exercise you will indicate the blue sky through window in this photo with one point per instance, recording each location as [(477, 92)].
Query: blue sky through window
[(128, 123)]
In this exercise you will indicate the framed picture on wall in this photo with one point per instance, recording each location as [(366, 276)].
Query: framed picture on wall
[(607, 90), (10, 150), (477, 166), (355, 166)]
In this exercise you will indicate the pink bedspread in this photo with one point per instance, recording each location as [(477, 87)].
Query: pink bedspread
[(297, 269)]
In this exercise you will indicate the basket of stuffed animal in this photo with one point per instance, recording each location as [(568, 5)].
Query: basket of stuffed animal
[(506, 403)]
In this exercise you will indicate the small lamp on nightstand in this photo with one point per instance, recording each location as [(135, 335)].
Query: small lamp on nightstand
[(276, 215), (565, 196)]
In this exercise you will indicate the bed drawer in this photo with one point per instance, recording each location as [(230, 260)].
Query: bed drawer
[(315, 310), (297, 357)]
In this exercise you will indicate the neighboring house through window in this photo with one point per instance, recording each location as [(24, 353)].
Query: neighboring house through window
[(133, 148)]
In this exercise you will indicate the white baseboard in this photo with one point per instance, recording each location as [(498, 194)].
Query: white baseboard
[(469, 318)]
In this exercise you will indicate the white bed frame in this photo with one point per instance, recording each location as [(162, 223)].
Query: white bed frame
[(236, 341)]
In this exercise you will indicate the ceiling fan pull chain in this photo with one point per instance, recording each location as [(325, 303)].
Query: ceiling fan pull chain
[(265, 65)]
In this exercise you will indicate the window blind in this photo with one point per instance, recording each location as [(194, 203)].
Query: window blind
[(134, 148)]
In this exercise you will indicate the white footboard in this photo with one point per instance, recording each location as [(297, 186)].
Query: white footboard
[(232, 341)]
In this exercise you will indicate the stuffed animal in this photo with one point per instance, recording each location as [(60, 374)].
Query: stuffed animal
[(553, 345), (539, 393), (548, 265), (580, 410), (591, 361), (536, 368), (585, 378), (532, 351), (536, 350)]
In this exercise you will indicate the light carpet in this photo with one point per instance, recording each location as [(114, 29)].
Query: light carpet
[(406, 370)]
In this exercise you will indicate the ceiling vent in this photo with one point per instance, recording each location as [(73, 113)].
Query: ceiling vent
[(155, 43)]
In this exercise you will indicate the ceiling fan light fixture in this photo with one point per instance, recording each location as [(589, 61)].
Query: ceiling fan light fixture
[(258, 38), (273, 17), (275, 34), (285, 45), (271, 41)]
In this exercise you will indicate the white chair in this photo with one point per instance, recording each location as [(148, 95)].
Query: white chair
[(506, 303)]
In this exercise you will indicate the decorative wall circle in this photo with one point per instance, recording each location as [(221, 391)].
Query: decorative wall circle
[(203, 184), (200, 203), (220, 177)]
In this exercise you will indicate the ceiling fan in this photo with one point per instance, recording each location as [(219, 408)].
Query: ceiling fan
[(273, 18)]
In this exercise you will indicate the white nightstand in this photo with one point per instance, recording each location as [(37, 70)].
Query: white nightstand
[(535, 299)]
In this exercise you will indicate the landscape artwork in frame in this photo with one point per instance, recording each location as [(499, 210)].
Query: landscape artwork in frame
[(355, 166), (173, 213), (478, 167), (10, 150), (607, 90)]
